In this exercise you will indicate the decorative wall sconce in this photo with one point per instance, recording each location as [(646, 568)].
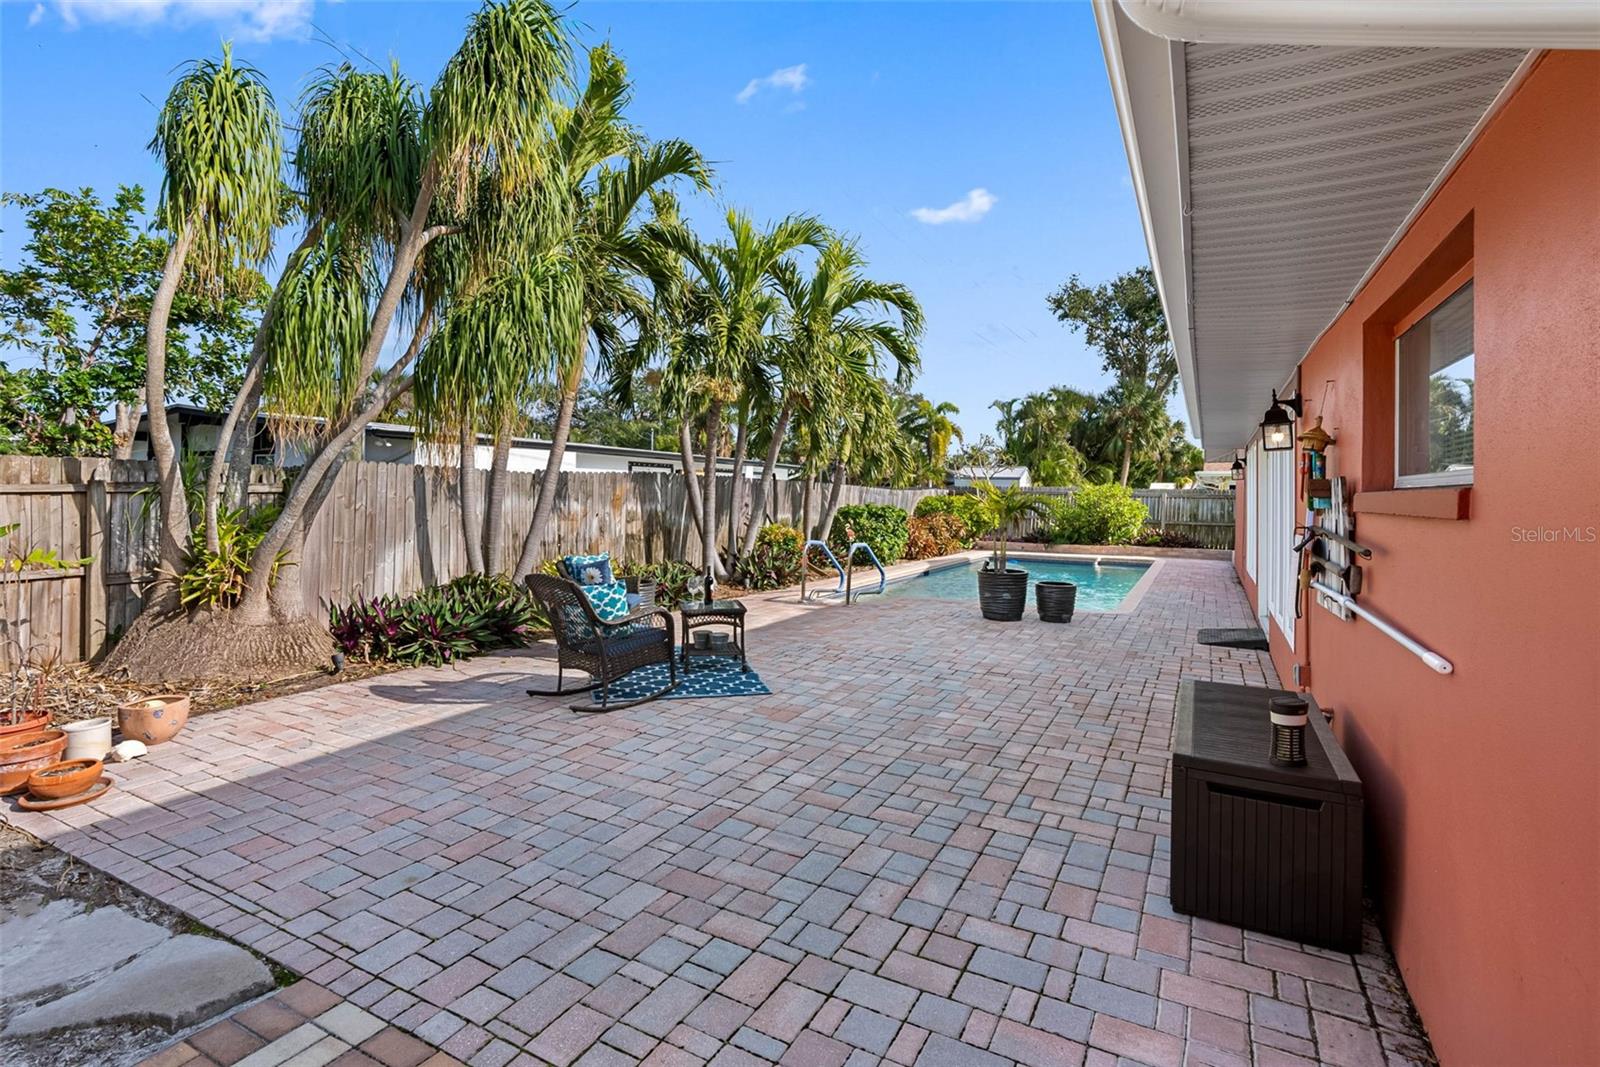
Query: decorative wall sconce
[(1277, 425)]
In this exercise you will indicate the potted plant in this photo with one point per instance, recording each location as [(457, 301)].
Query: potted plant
[(1003, 589), (154, 719)]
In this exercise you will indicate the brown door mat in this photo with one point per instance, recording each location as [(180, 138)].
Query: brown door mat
[(1248, 637)]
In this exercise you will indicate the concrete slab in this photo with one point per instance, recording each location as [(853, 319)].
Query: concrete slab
[(178, 983), (61, 944)]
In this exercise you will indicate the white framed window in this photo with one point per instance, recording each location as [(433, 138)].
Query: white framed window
[(1434, 393)]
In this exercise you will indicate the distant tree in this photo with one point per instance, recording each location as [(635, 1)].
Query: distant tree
[(932, 427), (1123, 319), (77, 307), (1038, 432)]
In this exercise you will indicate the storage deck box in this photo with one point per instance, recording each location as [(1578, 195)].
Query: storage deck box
[(1259, 845)]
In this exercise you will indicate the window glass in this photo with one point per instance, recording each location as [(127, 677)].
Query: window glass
[(1435, 379)]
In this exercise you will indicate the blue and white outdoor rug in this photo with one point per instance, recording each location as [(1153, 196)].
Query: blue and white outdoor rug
[(704, 678)]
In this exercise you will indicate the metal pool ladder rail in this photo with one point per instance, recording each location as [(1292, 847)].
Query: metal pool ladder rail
[(850, 560), (840, 590)]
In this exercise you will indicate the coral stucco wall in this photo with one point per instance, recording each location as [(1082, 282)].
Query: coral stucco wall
[(1483, 787)]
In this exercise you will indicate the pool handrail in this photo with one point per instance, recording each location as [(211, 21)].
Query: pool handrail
[(826, 551), (850, 558)]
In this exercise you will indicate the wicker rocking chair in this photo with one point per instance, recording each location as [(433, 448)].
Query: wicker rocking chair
[(604, 651)]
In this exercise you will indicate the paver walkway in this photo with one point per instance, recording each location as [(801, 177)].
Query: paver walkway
[(939, 842)]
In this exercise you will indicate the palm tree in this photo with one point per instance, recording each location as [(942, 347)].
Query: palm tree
[(836, 325), (720, 329), (930, 423), (220, 143)]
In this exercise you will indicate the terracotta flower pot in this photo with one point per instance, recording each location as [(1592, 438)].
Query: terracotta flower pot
[(154, 719), (31, 724), (21, 756), (60, 780)]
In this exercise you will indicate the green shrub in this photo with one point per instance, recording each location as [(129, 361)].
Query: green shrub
[(438, 625), (1053, 515), (882, 526), (776, 560), (968, 507), (1157, 538), (1100, 515), (936, 535), (672, 578)]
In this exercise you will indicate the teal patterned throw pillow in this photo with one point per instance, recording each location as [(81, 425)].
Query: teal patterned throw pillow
[(610, 601), (589, 570)]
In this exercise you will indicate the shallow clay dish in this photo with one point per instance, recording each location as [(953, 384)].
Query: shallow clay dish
[(98, 790), (61, 780)]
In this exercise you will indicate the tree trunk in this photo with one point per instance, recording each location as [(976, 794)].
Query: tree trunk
[(708, 494), (253, 605), (835, 490), (1127, 457), (243, 407), (738, 490), (126, 427), (494, 513), (471, 500), (769, 467), (225, 461), (692, 487), (174, 529), (805, 507), (288, 591), (545, 503)]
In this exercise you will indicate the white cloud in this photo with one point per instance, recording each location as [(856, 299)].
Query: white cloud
[(36, 14), (792, 78), (250, 20), (970, 208)]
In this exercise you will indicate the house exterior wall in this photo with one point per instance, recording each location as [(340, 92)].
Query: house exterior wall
[(1484, 785)]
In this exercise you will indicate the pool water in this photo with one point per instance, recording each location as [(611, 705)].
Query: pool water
[(1101, 587)]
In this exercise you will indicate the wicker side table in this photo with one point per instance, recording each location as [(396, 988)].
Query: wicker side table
[(729, 613)]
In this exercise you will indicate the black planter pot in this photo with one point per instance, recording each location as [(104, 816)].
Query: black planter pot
[(1003, 596), (1056, 600)]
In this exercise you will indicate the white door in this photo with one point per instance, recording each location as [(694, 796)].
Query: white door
[(1275, 586)]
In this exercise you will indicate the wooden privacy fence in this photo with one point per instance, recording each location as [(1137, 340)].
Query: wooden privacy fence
[(1204, 515), (385, 528)]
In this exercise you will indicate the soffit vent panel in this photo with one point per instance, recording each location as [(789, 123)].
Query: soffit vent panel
[(1301, 164)]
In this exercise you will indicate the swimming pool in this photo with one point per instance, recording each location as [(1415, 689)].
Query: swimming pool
[(1101, 586)]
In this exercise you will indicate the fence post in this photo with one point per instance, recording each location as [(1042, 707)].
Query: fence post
[(96, 593)]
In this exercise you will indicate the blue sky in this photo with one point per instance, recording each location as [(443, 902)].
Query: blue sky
[(972, 147)]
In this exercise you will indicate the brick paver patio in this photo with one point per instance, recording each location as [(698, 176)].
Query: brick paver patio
[(939, 842)]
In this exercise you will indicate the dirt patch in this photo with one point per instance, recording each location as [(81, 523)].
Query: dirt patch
[(32, 874), (74, 692)]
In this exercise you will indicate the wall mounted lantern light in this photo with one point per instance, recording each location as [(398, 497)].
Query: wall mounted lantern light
[(1238, 467), (1277, 425)]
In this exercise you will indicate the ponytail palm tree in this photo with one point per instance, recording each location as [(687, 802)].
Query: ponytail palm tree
[(573, 263), (220, 143), (384, 174)]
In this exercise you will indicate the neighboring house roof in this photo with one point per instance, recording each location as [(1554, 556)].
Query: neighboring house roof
[(986, 473), (195, 413), (1274, 176)]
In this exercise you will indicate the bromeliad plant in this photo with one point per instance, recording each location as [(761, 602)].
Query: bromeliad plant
[(439, 625), (216, 578)]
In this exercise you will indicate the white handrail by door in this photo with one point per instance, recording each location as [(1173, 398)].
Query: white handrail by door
[(1426, 655)]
